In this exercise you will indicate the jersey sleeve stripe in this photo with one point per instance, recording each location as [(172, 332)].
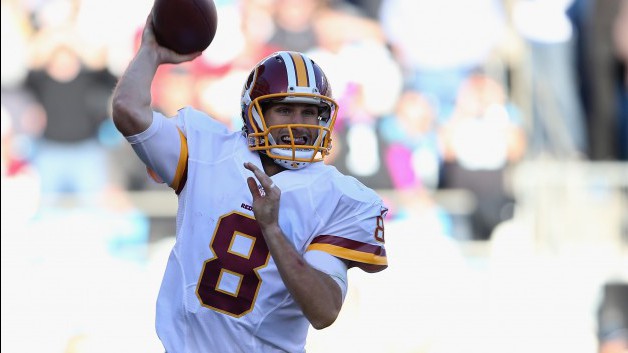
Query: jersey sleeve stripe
[(349, 244), (349, 254), (370, 258), (180, 175)]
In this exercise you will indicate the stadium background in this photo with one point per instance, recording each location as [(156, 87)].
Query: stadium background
[(497, 131)]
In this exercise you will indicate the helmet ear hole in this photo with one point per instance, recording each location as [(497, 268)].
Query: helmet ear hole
[(324, 112)]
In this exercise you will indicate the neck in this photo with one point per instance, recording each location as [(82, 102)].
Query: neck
[(270, 167)]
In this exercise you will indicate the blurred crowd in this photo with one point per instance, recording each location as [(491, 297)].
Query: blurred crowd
[(436, 96)]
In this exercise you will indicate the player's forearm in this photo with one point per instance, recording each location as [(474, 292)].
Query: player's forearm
[(131, 100), (317, 294)]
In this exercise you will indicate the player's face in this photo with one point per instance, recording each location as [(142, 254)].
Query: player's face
[(293, 113)]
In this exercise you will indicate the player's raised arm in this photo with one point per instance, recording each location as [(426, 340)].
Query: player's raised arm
[(131, 101)]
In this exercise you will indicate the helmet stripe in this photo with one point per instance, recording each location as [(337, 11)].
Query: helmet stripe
[(300, 69), (290, 69), (310, 72)]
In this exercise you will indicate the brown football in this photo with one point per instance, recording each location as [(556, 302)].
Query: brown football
[(185, 26)]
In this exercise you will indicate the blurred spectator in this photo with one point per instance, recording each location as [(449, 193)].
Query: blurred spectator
[(27, 119), (20, 183), (369, 8), (69, 157), (439, 43), (481, 139), (21, 112), (558, 122), (294, 19), (257, 29), (353, 52), (340, 26), (412, 156), (362, 152), (176, 89), (602, 27)]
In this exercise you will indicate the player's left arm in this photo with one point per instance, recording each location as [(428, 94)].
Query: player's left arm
[(316, 292)]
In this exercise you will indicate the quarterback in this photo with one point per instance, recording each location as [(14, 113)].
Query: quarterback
[(266, 232)]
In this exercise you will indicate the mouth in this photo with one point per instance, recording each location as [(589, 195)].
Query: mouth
[(298, 140)]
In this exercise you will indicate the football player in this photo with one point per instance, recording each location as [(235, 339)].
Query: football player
[(265, 231)]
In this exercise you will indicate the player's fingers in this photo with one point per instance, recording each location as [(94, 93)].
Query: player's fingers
[(250, 181), (264, 179), (185, 57), (250, 166)]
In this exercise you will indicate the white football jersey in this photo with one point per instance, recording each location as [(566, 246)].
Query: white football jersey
[(222, 291)]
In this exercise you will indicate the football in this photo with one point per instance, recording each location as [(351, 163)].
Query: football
[(185, 26)]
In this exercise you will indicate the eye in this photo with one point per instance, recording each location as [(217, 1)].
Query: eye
[(282, 110), (310, 113)]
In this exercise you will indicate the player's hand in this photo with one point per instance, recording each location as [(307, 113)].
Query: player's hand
[(265, 200), (164, 55)]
